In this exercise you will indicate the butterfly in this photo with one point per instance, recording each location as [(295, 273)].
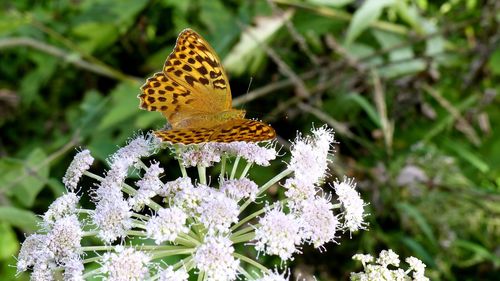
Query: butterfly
[(193, 94)]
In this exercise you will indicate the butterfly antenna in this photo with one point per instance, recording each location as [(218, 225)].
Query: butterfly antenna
[(249, 84)]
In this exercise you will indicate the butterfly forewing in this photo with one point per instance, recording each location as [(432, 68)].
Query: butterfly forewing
[(195, 65)]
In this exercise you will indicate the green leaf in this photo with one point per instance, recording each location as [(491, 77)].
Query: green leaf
[(248, 50), (96, 35), (331, 3), (25, 220), (494, 62), (369, 12), (419, 251), (124, 104), (479, 253), (420, 220), (367, 107), (8, 241), (24, 179), (401, 60), (467, 155)]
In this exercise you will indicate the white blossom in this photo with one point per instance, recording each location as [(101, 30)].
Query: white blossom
[(169, 274), (319, 223), (140, 146), (171, 188), (148, 187), (204, 155), (218, 212), (125, 264), (33, 250), (298, 190), (240, 189), (352, 204), (64, 238), (191, 197), (113, 219), (62, 207), (310, 155), (251, 152), (167, 225), (81, 163), (278, 234), (73, 269), (215, 258)]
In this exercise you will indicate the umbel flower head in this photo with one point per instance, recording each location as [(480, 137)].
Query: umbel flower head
[(145, 225)]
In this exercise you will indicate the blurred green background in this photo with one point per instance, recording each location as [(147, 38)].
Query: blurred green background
[(410, 87)]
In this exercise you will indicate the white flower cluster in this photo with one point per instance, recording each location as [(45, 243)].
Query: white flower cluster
[(198, 222), (378, 269)]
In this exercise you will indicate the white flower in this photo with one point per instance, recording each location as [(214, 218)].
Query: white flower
[(171, 188), (418, 267), (43, 271), (240, 188), (379, 269), (200, 155), (352, 204), (63, 206), (167, 225), (278, 234), (113, 218), (274, 275), (218, 212), (64, 238), (319, 224), (388, 257), (33, 250), (148, 187), (251, 152), (125, 264), (215, 258), (363, 258), (81, 163), (141, 146), (73, 269), (298, 190), (168, 274), (310, 155), (110, 188), (190, 197)]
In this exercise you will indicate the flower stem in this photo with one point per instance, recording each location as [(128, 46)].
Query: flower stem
[(202, 173), (183, 169), (222, 169), (249, 217), (245, 171), (252, 262), (268, 184), (168, 253), (243, 238), (126, 188), (235, 167), (242, 231)]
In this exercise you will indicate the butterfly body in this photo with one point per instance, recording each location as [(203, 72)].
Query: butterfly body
[(193, 93)]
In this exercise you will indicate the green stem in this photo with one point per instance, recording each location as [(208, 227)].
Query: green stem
[(243, 238), (183, 169), (249, 217), (245, 273), (202, 174), (235, 167), (168, 253), (222, 169), (268, 184), (245, 171), (125, 188), (252, 262), (242, 231)]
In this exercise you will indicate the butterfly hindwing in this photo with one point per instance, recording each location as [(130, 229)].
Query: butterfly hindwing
[(230, 131)]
